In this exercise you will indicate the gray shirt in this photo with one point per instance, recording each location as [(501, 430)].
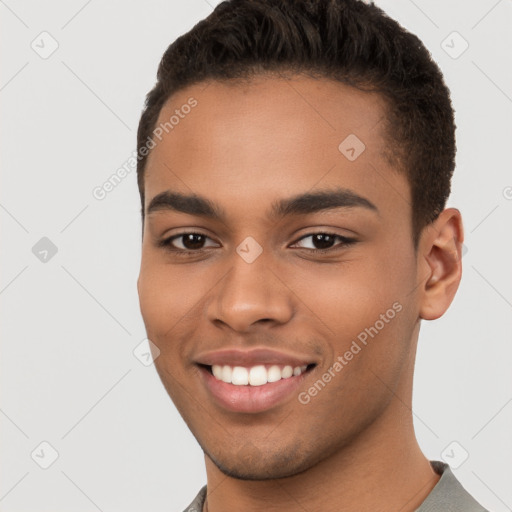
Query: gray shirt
[(448, 495)]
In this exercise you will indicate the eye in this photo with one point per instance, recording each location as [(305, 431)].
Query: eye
[(185, 242), (326, 241)]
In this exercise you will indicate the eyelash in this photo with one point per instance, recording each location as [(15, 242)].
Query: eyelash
[(167, 243)]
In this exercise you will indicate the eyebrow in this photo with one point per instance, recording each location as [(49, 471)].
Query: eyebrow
[(302, 204)]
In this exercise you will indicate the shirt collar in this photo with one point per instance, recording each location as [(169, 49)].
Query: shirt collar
[(447, 495)]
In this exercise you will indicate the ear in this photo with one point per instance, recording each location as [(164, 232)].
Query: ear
[(440, 263)]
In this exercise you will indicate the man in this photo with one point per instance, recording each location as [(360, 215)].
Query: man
[(295, 162)]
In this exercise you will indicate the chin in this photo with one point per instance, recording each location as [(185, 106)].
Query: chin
[(249, 463)]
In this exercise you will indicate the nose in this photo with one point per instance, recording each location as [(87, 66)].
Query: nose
[(250, 294)]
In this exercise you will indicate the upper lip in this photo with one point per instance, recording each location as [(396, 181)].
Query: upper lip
[(253, 357)]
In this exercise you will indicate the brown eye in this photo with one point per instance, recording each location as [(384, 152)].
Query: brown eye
[(185, 242), (323, 242), (192, 241)]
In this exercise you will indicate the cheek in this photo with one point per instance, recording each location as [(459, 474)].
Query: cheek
[(162, 309), (365, 308), (172, 301), (163, 297), (348, 296), (151, 294)]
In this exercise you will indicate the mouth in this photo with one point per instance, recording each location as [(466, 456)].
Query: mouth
[(255, 388)]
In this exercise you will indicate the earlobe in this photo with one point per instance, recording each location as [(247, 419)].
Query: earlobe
[(440, 251)]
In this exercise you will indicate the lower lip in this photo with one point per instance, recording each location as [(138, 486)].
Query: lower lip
[(247, 398)]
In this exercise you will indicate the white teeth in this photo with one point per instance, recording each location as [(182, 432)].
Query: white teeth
[(217, 371), (287, 372), (274, 374), (227, 372), (240, 376), (256, 375)]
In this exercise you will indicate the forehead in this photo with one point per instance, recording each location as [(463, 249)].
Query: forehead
[(254, 142)]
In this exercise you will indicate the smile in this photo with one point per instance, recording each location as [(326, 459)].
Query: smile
[(252, 381)]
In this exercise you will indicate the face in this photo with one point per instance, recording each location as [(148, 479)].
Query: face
[(273, 241)]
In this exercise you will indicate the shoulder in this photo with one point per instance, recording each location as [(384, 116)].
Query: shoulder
[(449, 495), (198, 502)]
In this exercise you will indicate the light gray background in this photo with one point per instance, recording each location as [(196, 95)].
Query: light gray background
[(69, 326)]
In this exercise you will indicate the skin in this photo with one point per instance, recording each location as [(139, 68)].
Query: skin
[(244, 146)]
